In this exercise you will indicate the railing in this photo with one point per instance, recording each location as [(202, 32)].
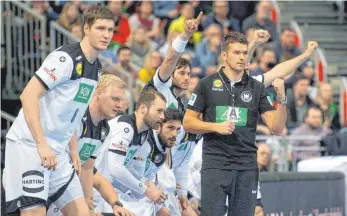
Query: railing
[(299, 39), (286, 153), (60, 36), (276, 15), (8, 118), (25, 48), (343, 102)]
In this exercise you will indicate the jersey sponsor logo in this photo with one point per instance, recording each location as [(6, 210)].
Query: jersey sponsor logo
[(119, 146), (246, 96), (19, 204), (79, 68), (238, 115), (269, 99), (62, 59), (129, 156), (33, 181), (86, 151), (74, 115), (192, 99), (254, 191), (78, 58), (84, 93), (217, 85), (50, 73)]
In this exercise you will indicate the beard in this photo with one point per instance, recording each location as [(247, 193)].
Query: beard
[(148, 120)]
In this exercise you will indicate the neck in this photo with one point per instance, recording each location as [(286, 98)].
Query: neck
[(143, 16), (263, 67), (220, 18), (140, 123), (260, 20), (178, 92), (232, 74), (95, 112), (300, 99), (89, 52)]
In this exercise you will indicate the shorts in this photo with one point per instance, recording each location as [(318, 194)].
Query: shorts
[(27, 183)]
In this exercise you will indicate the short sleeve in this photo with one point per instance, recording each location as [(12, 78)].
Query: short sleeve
[(259, 78), (160, 84), (119, 137), (197, 101), (265, 103), (55, 70)]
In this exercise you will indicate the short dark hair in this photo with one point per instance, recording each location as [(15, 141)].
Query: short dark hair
[(267, 48), (300, 77), (172, 114), (94, 13), (287, 29), (121, 49), (182, 62), (233, 37), (313, 107), (148, 97)]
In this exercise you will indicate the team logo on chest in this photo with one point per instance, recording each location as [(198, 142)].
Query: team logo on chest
[(158, 158), (217, 85), (103, 133), (246, 96)]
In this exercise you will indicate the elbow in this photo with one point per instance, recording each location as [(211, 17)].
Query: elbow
[(186, 125), (277, 130)]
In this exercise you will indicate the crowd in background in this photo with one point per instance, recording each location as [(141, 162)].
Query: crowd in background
[(144, 31)]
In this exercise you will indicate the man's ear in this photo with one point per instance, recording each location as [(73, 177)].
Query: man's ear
[(143, 108), (86, 29), (98, 92), (224, 55)]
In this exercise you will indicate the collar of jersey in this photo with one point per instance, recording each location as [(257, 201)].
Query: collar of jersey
[(244, 79)]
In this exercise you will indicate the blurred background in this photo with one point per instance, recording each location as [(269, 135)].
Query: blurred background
[(315, 138)]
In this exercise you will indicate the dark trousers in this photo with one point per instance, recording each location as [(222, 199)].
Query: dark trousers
[(239, 185)]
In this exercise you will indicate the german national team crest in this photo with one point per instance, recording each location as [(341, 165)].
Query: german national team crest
[(246, 96), (158, 158), (103, 133)]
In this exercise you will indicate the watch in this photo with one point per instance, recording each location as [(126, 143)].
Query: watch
[(284, 101), (117, 203)]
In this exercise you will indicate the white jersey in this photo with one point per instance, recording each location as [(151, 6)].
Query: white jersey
[(70, 81), (117, 161)]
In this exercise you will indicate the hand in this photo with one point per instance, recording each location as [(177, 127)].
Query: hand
[(90, 203), (178, 186), (225, 128), (76, 161), (195, 206), (163, 212), (278, 85), (154, 194), (191, 26), (261, 36), (48, 158), (311, 47), (183, 201), (120, 211)]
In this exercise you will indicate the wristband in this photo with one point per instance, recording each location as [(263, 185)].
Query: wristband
[(179, 45)]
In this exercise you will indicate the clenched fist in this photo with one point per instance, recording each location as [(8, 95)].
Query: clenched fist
[(311, 47), (261, 36), (278, 85), (225, 128)]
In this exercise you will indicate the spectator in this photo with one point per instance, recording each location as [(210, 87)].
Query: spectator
[(145, 18), (261, 19), (308, 71), (298, 102), (152, 62), (285, 48), (165, 47), (311, 127), (204, 6), (193, 82), (121, 28), (222, 17), (177, 25), (330, 109), (266, 63), (139, 44), (76, 30), (242, 9), (263, 157), (166, 9), (69, 16), (208, 50), (124, 62)]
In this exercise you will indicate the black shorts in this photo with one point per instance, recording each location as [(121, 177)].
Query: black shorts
[(239, 185)]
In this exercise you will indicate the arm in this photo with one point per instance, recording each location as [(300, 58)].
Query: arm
[(260, 36), (101, 184), (275, 119), (51, 73), (193, 124), (74, 153), (284, 69), (87, 180), (169, 64)]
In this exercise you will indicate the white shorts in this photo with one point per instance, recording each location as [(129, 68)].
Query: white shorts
[(27, 183)]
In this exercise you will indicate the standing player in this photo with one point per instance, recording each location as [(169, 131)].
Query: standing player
[(107, 102), (230, 102), (37, 168)]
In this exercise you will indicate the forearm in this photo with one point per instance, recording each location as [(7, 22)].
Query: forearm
[(105, 188), (279, 119), (197, 126), (284, 69), (169, 64), (73, 143), (87, 182), (31, 112), (251, 49)]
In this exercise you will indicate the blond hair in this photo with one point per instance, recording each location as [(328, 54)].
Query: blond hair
[(106, 80), (64, 21)]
